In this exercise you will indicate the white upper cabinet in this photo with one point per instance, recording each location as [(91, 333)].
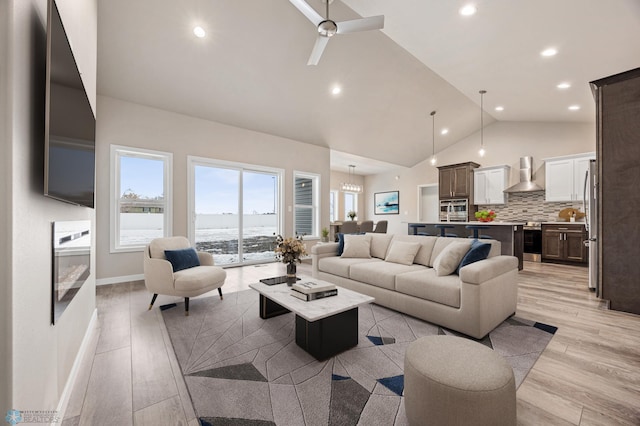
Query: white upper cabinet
[(489, 184), (565, 177)]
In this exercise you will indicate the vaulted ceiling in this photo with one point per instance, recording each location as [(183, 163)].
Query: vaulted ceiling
[(250, 69)]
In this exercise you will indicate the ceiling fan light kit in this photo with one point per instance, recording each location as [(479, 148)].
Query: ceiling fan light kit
[(328, 28)]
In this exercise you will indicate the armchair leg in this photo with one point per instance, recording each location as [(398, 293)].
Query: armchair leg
[(220, 293), (186, 306), (153, 300)]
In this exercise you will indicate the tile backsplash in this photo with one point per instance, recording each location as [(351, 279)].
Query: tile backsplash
[(525, 206)]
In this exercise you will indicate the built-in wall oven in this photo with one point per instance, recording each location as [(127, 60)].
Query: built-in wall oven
[(532, 241), (454, 210)]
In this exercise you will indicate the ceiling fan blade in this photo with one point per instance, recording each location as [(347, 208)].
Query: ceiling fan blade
[(307, 11), (362, 24), (318, 48)]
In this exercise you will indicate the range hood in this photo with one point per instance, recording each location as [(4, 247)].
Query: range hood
[(525, 184)]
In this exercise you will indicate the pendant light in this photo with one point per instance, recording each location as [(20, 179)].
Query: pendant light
[(350, 186), (433, 139), (482, 150)]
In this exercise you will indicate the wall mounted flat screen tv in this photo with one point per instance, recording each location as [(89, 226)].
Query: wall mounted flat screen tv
[(70, 125)]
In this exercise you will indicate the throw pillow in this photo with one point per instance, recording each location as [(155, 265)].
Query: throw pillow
[(182, 259), (340, 243), (357, 246), (449, 258), (402, 252), (478, 251), (379, 244)]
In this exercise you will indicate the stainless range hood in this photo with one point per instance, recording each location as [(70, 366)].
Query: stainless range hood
[(525, 184)]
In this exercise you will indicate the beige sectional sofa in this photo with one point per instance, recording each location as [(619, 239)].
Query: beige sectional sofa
[(473, 302)]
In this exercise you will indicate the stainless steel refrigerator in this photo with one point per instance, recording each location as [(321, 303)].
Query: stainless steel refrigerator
[(591, 222)]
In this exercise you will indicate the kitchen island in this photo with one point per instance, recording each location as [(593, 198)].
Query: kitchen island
[(509, 234)]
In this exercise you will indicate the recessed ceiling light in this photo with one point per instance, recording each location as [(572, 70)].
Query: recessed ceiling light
[(499, 108), (551, 51), (336, 90), (444, 131), (199, 32), (563, 85), (468, 10), (574, 107)]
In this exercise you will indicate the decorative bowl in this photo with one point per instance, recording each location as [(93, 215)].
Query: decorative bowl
[(485, 219)]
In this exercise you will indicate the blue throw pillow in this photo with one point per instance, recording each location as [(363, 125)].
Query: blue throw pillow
[(478, 251), (182, 259), (340, 243)]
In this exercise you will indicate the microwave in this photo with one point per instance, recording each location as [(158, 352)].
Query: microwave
[(454, 210)]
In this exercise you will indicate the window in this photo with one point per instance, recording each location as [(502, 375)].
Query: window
[(350, 203), (234, 210), (333, 207), (306, 190), (140, 197)]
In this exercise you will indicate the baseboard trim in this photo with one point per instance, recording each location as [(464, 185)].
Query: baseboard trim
[(120, 279), (68, 387)]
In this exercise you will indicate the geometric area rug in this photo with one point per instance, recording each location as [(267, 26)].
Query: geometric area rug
[(243, 370)]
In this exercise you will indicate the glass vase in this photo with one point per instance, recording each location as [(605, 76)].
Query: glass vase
[(291, 273)]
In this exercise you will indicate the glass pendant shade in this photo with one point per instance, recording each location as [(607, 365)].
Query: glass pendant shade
[(433, 138), (482, 151), (350, 186)]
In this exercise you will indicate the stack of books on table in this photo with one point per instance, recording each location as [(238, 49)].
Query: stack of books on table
[(312, 290)]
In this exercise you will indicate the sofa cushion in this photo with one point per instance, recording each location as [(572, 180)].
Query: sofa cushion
[(402, 252), (159, 245), (202, 277), (427, 285), (357, 246), (478, 251), (340, 265), (380, 274), (450, 257), (379, 244)]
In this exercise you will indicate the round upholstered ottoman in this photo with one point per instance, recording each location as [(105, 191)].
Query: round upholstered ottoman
[(454, 381)]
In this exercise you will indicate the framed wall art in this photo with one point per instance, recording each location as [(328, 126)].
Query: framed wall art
[(386, 202)]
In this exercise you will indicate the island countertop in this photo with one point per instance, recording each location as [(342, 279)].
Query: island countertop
[(477, 222), (510, 234)]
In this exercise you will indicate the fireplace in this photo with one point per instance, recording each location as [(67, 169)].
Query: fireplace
[(71, 263)]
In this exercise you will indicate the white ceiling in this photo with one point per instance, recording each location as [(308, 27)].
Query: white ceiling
[(250, 70)]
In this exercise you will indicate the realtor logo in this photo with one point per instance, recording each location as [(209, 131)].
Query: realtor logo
[(13, 417)]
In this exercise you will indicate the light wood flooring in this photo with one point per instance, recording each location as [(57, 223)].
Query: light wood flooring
[(588, 375)]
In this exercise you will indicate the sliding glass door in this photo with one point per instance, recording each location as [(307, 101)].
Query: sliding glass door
[(234, 210)]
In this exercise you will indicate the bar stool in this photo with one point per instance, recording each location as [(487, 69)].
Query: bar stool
[(443, 231), (414, 229), (476, 231)]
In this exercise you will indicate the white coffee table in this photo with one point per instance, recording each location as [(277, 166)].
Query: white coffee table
[(324, 327)]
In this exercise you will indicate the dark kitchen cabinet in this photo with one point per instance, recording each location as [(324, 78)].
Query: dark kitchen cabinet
[(564, 244), (617, 152), (456, 181)]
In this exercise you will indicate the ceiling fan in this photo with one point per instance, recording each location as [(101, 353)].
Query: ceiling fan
[(328, 28)]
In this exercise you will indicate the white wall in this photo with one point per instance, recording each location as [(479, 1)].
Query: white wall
[(128, 124), (5, 215), (505, 143), (42, 355)]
